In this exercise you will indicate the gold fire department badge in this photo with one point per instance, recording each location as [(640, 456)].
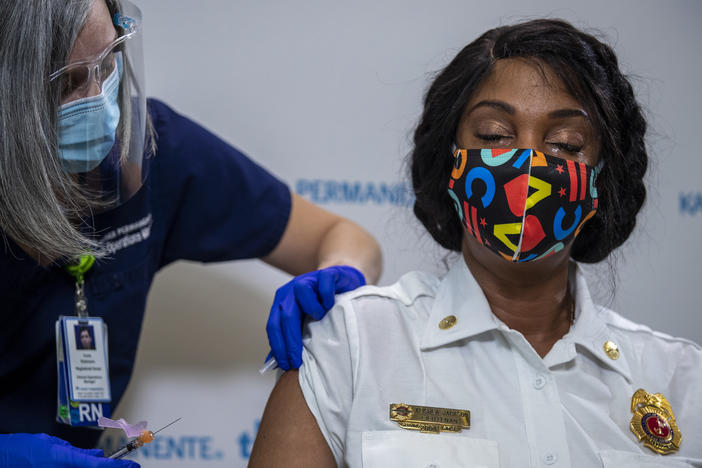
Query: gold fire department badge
[(654, 422)]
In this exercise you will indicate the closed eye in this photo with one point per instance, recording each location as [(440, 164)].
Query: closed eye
[(492, 137), (567, 147)]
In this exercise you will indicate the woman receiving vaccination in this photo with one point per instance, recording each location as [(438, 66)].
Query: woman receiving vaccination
[(528, 159)]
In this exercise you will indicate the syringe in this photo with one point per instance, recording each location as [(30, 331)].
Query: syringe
[(145, 437)]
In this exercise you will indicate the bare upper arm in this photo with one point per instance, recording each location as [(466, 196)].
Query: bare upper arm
[(289, 435)]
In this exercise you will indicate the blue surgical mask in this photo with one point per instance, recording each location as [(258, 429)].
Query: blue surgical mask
[(87, 126)]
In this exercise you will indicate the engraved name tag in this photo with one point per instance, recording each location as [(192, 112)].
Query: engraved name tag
[(429, 418)]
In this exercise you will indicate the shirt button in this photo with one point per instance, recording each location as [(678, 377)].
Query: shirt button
[(539, 382), (550, 458)]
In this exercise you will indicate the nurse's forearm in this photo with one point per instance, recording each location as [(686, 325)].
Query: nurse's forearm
[(346, 243), (316, 238)]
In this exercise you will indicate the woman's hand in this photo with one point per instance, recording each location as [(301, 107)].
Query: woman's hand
[(29, 450), (308, 294)]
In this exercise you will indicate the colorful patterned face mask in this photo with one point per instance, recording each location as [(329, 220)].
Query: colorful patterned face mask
[(520, 203)]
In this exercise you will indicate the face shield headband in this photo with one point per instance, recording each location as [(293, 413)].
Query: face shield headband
[(102, 118), (520, 203)]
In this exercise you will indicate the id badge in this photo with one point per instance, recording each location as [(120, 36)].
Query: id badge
[(83, 375)]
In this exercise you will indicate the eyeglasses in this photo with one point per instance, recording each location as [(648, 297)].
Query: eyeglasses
[(78, 77)]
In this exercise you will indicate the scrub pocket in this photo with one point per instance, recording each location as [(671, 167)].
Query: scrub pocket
[(395, 449), (619, 459)]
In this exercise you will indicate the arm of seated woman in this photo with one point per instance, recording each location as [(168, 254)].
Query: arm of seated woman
[(289, 435)]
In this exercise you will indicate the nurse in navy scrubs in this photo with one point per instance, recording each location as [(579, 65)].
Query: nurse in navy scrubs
[(91, 169)]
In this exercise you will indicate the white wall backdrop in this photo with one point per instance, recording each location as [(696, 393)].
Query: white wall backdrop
[(325, 94)]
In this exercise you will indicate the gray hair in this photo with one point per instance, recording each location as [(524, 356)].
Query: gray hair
[(41, 206)]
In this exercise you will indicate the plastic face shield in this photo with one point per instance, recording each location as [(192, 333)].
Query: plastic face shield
[(102, 120)]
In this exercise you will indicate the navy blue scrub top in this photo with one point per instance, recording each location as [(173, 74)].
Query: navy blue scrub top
[(203, 200)]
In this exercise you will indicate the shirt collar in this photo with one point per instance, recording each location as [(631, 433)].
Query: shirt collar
[(460, 296), (590, 330)]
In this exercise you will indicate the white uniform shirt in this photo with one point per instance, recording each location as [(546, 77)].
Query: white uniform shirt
[(383, 345)]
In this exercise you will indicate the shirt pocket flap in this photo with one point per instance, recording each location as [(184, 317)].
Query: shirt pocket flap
[(620, 459), (389, 449)]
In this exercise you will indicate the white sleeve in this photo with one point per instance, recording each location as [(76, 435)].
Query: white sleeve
[(326, 375)]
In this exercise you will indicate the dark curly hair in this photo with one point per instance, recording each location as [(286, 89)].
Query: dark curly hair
[(590, 71)]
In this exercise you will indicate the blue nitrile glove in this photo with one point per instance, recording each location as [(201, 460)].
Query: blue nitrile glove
[(25, 450), (309, 294)]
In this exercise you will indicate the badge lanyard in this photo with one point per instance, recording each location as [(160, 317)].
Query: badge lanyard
[(82, 359), (78, 271)]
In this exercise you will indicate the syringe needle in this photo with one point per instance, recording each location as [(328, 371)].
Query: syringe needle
[(169, 424), (144, 438)]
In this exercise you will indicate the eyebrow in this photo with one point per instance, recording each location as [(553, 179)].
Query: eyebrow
[(504, 107), (564, 113), (499, 105)]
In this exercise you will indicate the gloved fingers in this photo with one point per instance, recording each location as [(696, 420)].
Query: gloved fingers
[(280, 294), (128, 464), (292, 330), (95, 458), (67, 456), (122, 464), (49, 439), (102, 462), (275, 336), (308, 300), (110, 463), (24, 450), (312, 294), (326, 287), (349, 278), (92, 452)]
